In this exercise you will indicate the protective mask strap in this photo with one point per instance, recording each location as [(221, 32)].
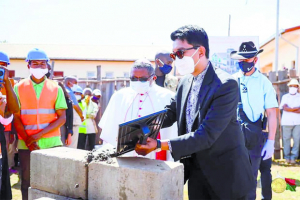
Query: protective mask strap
[(193, 56)]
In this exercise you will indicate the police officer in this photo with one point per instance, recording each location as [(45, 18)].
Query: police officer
[(257, 96)]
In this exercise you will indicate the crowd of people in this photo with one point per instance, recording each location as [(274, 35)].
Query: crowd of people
[(221, 127)]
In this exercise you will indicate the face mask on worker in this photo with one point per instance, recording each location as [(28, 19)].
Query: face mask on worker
[(38, 73), (246, 66), (293, 90), (140, 87), (96, 98), (186, 64), (74, 86), (78, 97), (165, 69)]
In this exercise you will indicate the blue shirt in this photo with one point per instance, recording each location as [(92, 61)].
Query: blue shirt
[(257, 94), (72, 95)]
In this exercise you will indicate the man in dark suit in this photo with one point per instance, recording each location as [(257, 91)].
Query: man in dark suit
[(210, 144)]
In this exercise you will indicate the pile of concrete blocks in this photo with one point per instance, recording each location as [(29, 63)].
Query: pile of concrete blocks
[(63, 173)]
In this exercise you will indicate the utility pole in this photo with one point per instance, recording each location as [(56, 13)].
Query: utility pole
[(229, 25), (276, 37)]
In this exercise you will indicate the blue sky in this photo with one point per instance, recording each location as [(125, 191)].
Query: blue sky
[(137, 22)]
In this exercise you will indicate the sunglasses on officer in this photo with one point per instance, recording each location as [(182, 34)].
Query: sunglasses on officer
[(142, 79), (180, 53)]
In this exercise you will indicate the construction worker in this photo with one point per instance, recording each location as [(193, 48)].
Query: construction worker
[(8, 106), (87, 139), (78, 92), (42, 113)]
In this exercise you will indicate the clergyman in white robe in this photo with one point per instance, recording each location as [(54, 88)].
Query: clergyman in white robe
[(126, 104)]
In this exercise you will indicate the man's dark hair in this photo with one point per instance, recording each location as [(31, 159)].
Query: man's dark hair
[(143, 64), (194, 35)]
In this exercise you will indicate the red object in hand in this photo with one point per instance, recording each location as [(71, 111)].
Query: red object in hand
[(162, 155)]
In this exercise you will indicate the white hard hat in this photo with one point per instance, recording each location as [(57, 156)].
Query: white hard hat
[(97, 92), (293, 82)]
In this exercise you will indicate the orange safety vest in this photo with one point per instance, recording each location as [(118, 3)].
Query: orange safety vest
[(3, 91), (37, 114)]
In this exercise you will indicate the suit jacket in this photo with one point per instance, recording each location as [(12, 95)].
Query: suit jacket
[(216, 144)]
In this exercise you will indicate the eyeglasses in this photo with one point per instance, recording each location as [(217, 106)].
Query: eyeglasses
[(180, 53), (142, 79)]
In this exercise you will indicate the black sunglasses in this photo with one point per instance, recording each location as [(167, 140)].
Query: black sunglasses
[(142, 79), (180, 53)]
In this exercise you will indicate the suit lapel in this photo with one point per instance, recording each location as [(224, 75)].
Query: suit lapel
[(208, 78)]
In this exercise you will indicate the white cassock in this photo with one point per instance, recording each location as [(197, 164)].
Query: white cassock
[(126, 104)]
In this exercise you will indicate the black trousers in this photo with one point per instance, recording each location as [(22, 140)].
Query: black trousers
[(5, 188), (24, 156), (266, 178), (86, 141), (198, 186)]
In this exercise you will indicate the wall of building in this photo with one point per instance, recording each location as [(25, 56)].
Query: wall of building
[(286, 53), (78, 68)]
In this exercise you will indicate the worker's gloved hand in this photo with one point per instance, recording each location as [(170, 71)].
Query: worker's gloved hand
[(268, 149)]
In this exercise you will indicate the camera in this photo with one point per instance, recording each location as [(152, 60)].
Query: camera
[(2, 71)]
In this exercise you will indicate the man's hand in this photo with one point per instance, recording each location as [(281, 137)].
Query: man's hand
[(147, 148), (82, 118), (33, 138), (69, 139), (268, 150), (33, 146), (288, 109)]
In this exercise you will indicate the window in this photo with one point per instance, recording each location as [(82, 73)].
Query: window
[(58, 74), (11, 73), (109, 74), (91, 74), (126, 74)]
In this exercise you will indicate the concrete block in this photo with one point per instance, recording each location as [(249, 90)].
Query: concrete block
[(60, 171), (35, 194), (135, 178)]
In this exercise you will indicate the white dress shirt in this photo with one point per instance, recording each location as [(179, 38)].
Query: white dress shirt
[(290, 118)]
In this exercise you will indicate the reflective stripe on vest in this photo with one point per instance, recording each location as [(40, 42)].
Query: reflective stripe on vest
[(37, 114), (35, 127), (34, 111)]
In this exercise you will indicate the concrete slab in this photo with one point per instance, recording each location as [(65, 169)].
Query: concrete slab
[(135, 178), (35, 194), (60, 171)]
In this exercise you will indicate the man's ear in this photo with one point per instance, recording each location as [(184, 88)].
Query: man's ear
[(201, 51), (255, 60)]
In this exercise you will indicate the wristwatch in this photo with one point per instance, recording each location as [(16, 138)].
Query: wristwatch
[(158, 147)]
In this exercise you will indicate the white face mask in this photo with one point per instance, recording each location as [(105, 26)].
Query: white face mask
[(293, 90), (186, 64), (38, 73), (140, 87), (78, 97)]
